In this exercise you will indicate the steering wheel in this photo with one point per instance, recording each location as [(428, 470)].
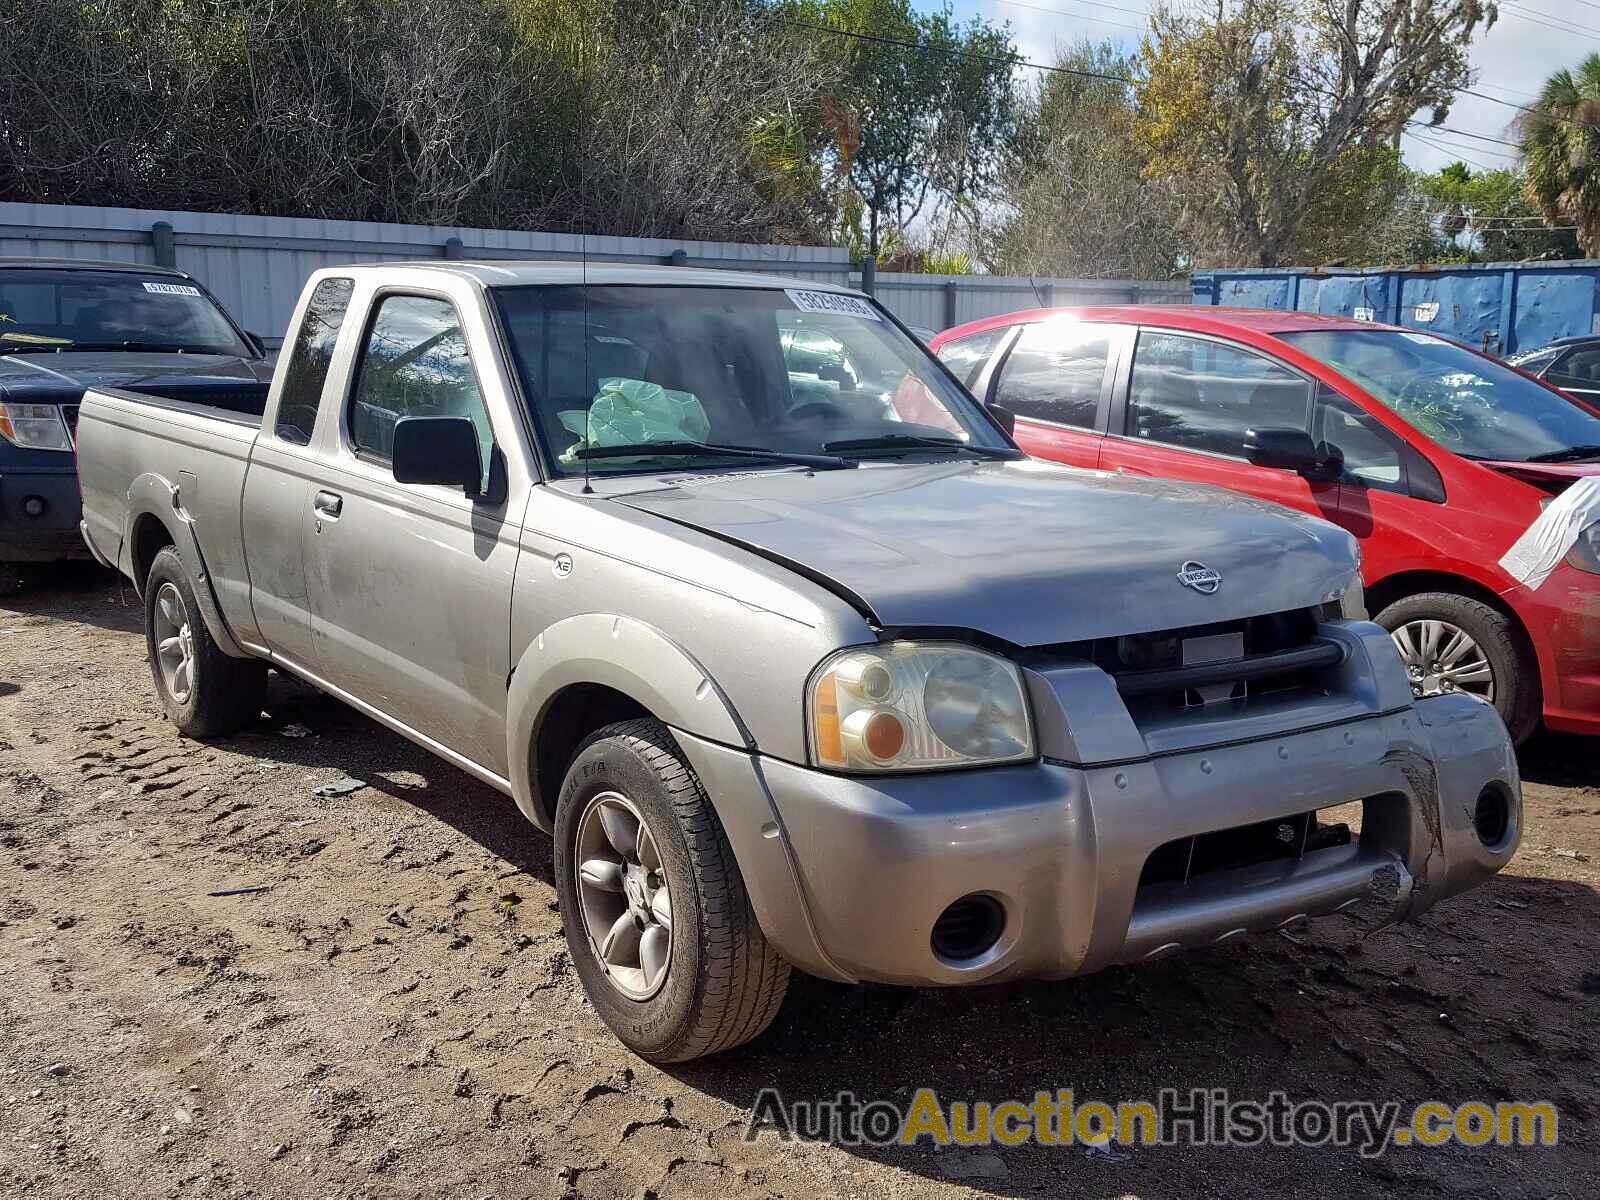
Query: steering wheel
[(818, 409)]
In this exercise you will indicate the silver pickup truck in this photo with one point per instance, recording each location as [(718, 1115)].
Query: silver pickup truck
[(745, 601)]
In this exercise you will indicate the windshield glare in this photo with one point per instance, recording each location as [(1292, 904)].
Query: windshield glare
[(101, 310), (736, 366), (1465, 402)]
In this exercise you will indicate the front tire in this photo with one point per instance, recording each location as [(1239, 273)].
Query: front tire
[(203, 691), (1451, 643), (657, 919)]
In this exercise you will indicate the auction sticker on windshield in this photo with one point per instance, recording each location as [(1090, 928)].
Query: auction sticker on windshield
[(171, 289), (832, 302)]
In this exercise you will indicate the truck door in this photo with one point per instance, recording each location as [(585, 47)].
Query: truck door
[(277, 487), (1188, 403), (411, 583)]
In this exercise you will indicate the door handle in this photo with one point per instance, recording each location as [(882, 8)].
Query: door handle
[(328, 504), (1131, 471)]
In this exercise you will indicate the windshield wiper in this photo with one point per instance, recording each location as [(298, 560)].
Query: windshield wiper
[(675, 449), (910, 441), (32, 347), (136, 345), (1570, 454)]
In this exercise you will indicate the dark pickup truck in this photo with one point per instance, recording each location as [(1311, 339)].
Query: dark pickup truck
[(66, 326)]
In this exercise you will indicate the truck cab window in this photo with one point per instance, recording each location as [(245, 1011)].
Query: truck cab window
[(306, 370), (414, 364)]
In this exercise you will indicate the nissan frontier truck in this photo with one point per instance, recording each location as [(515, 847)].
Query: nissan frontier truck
[(739, 595)]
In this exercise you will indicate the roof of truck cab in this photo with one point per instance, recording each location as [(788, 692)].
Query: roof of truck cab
[(526, 272), (85, 264)]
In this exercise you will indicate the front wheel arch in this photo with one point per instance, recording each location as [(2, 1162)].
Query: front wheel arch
[(1522, 705)]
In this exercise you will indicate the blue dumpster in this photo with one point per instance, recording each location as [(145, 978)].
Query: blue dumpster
[(1498, 307)]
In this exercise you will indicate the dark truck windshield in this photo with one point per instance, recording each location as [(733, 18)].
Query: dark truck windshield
[(796, 372), (1465, 402), (110, 310)]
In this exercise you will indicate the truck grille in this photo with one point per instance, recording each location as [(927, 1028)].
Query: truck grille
[(1286, 839), (1243, 657)]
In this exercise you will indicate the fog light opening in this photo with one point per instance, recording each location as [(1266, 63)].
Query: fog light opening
[(969, 928), (1492, 816), (34, 506)]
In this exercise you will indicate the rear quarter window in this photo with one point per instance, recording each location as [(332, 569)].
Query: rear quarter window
[(306, 370)]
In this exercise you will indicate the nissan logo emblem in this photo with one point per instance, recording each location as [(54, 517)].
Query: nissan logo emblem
[(1200, 577)]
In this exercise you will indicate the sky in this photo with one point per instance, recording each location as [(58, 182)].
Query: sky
[(1531, 39)]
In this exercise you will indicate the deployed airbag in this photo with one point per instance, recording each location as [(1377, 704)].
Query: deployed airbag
[(627, 411)]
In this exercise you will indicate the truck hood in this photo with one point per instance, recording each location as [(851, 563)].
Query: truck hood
[(1028, 552), (63, 377)]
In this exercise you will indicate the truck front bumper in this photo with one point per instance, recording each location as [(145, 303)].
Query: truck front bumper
[(39, 512), (849, 875)]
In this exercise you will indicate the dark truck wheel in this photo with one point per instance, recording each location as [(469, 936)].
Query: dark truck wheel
[(1451, 643), (657, 918), (12, 579), (203, 691)]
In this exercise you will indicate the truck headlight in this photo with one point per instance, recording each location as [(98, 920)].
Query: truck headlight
[(34, 426), (1585, 552), (917, 706)]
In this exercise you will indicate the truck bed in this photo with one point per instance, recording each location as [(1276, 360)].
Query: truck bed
[(182, 458)]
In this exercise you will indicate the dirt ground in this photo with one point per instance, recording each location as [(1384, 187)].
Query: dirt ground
[(397, 1015)]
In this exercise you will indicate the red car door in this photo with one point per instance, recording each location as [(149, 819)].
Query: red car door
[(1056, 378), (1186, 406)]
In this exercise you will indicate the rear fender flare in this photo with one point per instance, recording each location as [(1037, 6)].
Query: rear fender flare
[(151, 495), (626, 655)]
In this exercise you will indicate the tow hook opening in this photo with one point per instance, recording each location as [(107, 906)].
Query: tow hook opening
[(969, 928), (1491, 817)]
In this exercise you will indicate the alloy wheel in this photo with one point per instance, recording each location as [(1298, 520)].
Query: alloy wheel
[(1441, 657), (622, 888), (174, 643)]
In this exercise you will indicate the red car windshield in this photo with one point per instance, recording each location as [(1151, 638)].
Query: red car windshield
[(1465, 402)]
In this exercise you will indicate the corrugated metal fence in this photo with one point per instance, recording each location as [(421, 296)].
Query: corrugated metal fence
[(256, 265)]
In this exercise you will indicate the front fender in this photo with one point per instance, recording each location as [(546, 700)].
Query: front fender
[(628, 656)]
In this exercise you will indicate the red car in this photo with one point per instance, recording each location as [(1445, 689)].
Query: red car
[(1436, 457)]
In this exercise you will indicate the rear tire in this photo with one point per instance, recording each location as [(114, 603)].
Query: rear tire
[(1513, 671), (203, 691), (12, 579), (722, 982)]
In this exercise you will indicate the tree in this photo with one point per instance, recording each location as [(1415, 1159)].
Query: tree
[(921, 117), (1487, 217), (1561, 151), (1078, 200), (1261, 105)]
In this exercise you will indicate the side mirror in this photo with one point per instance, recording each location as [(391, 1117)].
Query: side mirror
[(438, 450), (1288, 450), (1005, 418)]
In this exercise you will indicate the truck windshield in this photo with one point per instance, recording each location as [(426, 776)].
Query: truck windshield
[(1465, 402), (42, 310), (794, 371)]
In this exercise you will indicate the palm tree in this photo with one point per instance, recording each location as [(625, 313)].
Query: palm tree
[(1561, 151)]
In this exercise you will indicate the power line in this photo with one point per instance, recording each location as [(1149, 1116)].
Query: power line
[(1058, 12), (1548, 20), (1015, 60)]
